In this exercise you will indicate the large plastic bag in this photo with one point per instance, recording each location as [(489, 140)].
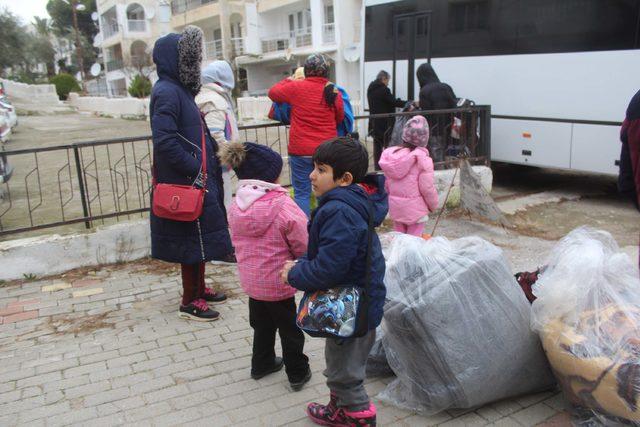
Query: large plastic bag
[(456, 326), (587, 312), (395, 138), (377, 365)]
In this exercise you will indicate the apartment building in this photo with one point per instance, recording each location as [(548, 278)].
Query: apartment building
[(282, 33), (209, 15), (128, 30)]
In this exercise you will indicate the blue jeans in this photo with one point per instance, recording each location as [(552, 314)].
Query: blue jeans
[(301, 168)]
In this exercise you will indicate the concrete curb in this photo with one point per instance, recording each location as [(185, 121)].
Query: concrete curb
[(55, 254)]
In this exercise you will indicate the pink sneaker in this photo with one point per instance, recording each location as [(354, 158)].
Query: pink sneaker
[(331, 415)]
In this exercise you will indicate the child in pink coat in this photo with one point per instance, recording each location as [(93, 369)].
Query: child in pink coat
[(267, 229), (409, 173)]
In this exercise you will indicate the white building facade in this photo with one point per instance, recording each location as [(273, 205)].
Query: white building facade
[(128, 30), (280, 34)]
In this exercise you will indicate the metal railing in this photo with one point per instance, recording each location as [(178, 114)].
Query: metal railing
[(237, 43), (181, 6), (138, 25), (283, 41), (329, 33), (213, 50), (78, 186), (114, 64), (110, 29)]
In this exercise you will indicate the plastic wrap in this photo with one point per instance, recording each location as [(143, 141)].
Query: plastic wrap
[(377, 365), (456, 328), (587, 312)]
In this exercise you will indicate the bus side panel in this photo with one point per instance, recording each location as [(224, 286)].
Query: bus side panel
[(582, 86), (595, 148), (531, 143)]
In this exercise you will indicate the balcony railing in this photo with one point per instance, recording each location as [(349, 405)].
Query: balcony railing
[(110, 29), (238, 46), (181, 6), (139, 25), (274, 44), (114, 64), (283, 41), (329, 33), (213, 50)]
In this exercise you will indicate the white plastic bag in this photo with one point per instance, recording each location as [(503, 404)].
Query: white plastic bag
[(587, 312), (456, 326)]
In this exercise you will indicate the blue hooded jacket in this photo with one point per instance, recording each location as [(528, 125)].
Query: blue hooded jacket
[(282, 113), (336, 253), (176, 127)]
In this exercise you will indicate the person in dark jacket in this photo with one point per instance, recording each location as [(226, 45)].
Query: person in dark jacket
[(381, 101), (177, 130), (336, 256), (435, 95), (629, 176)]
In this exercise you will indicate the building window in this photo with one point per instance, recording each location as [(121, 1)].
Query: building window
[(328, 14), (469, 16)]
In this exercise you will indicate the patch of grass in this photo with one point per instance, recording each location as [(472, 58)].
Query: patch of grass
[(133, 117), (21, 112), (29, 277)]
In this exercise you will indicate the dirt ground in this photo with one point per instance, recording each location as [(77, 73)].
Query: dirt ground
[(60, 129), (542, 203)]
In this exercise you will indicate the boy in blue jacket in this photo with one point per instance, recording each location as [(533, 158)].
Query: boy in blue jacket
[(336, 256)]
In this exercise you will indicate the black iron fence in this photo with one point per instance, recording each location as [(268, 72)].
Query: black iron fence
[(78, 186)]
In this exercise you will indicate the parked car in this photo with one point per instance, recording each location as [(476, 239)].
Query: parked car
[(5, 126), (13, 116), (6, 170)]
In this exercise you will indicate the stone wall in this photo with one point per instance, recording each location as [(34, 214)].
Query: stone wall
[(43, 94), (113, 107)]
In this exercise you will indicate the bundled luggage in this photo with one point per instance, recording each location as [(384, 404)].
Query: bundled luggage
[(457, 326), (587, 313)]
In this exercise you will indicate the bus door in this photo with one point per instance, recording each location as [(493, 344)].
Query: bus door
[(411, 38)]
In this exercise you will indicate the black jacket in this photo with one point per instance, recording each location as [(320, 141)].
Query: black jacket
[(435, 95), (381, 101)]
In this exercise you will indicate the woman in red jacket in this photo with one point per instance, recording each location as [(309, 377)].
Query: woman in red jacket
[(316, 109)]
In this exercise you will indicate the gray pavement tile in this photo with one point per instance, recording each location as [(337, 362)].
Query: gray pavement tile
[(148, 367)]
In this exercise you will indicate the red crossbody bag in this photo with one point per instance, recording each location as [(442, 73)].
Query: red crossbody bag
[(180, 202)]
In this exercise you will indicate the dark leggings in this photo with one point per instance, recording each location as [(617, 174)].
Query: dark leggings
[(192, 282)]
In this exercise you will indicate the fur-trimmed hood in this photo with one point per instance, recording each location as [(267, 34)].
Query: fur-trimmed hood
[(178, 57)]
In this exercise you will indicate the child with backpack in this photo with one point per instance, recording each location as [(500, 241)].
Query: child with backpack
[(410, 178), (267, 229), (336, 257)]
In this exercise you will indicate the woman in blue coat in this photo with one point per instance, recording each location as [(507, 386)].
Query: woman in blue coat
[(177, 129)]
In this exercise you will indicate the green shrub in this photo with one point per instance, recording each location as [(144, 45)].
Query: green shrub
[(64, 83), (140, 87)]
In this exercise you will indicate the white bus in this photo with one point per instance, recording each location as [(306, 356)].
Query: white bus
[(558, 74)]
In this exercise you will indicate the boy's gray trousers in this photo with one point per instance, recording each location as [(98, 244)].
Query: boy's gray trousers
[(346, 363)]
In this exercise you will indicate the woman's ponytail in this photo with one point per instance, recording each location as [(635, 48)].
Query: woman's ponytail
[(329, 94)]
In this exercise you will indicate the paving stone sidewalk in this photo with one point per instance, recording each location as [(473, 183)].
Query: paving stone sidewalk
[(105, 347)]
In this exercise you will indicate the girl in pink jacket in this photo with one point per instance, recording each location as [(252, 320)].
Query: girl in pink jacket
[(409, 178), (267, 229)]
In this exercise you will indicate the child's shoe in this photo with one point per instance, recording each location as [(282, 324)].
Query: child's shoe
[(297, 385), (198, 310), (212, 296), (278, 363), (331, 415)]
